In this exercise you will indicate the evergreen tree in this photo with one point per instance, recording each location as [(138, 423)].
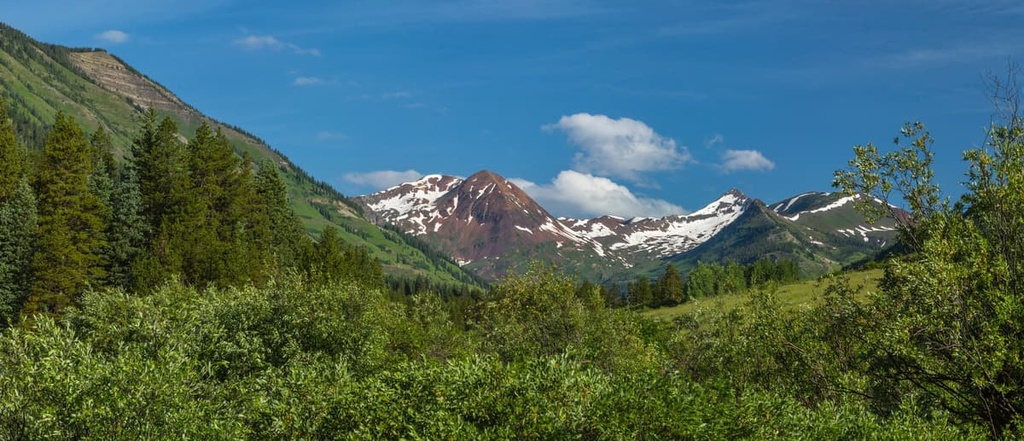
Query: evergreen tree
[(127, 230), (70, 229), (612, 295), (670, 286), (102, 177), (160, 162), (103, 153), (640, 293), (326, 262), (12, 157), (282, 232), (17, 237), (17, 223), (211, 252), (180, 234)]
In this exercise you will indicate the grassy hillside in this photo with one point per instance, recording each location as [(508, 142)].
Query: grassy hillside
[(37, 80), (802, 294)]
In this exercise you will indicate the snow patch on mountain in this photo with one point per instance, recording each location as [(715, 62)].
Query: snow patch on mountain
[(663, 236), (414, 202), (864, 230), (834, 205), (785, 205)]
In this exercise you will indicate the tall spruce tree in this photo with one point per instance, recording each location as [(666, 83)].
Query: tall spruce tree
[(17, 223), (670, 286), (161, 163), (101, 179), (248, 261), (12, 157), (70, 230), (17, 240), (282, 232), (326, 262), (126, 232)]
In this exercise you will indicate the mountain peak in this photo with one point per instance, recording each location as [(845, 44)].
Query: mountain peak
[(735, 192), (485, 175), (476, 220)]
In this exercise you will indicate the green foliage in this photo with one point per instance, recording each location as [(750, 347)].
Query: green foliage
[(541, 313), (640, 292), (126, 232), (12, 157), (947, 326), (278, 230), (670, 289), (17, 242), (906, 171), (160, 161), (71, 222), (294, 360)]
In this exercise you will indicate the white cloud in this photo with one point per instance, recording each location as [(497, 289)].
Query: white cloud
[(623, 148), (269, 42), (582, 195), (113, 36), (735, 160), (714, 140), (308, 81), (379, 180)]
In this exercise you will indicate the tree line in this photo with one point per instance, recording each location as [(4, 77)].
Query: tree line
[(707, 279)]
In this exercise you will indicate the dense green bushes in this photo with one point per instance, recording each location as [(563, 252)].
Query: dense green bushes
[(294, 360)]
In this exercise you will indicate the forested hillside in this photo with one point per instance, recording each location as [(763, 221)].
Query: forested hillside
[(74, 219)]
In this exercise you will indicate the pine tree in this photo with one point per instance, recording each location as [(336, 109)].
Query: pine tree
[(17, 238), (126, 232), (612, 295), (177, 220), (103, 153), (282, 232), (70, 229), (326, 262), (17, 223), (12, 157), (361, 267), (640, 293), (161, 162), (670, 286), (101, 179)]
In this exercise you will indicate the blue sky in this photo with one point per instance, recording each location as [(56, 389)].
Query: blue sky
[(620, 107)]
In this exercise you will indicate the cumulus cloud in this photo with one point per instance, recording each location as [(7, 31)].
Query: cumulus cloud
[(113, 36), (269, 42), (307, 81), (379, 180), (582, 195), (736, 160), (623, 148)]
